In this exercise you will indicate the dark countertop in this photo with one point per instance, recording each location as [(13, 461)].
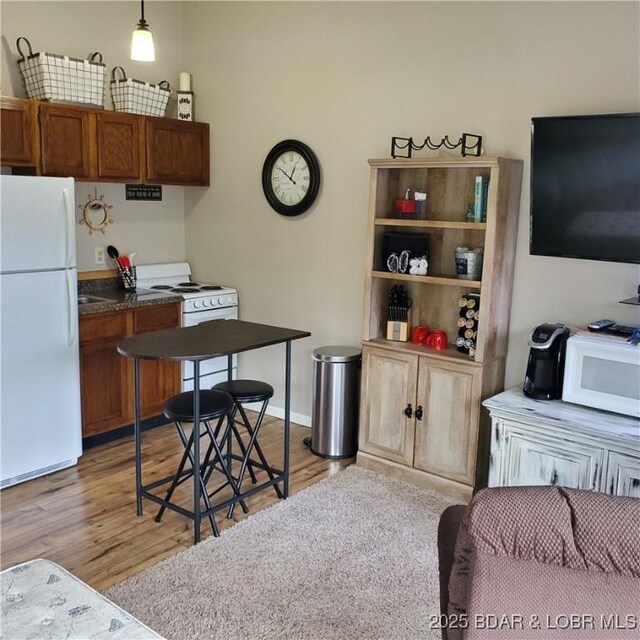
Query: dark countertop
[(118, 299)]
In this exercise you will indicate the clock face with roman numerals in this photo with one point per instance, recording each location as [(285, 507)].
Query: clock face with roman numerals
[(291, 177)]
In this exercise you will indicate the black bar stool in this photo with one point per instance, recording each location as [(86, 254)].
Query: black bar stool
[(242, 392), (214, 405)]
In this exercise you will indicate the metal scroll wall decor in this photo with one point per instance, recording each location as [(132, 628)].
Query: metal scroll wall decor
[(469, 143)]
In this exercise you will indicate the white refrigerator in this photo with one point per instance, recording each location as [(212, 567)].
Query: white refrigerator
[(40, 423)]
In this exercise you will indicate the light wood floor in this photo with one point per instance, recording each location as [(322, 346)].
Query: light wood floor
[(84, 518)]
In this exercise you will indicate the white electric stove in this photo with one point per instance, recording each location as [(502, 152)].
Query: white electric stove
[(200, 303)]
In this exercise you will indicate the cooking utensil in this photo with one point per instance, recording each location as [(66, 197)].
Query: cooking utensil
[(112, 252), (131, 256)]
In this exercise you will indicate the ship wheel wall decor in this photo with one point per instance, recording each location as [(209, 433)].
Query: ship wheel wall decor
[(96, 213)]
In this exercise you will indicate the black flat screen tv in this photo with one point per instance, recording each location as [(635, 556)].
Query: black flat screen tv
[(585, 187)]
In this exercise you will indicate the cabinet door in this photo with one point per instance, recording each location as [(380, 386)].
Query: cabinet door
[(177, 152), (388, 387), (104, 374), (64, 132), (18, 132), (119, 146), (623, 475), (447, 433), (159, 379), (530, 458)]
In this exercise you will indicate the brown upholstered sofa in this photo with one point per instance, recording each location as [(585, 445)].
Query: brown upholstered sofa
[(540, 563)]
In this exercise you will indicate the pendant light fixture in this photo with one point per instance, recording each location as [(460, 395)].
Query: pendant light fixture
[(142, 40)]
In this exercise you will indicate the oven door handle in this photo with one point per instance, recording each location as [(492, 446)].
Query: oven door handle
[(193, 318)]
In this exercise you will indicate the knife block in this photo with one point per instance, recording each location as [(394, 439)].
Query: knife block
[(399, 331)]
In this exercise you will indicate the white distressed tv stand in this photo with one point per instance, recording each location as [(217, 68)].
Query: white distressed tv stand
[(541, 442)]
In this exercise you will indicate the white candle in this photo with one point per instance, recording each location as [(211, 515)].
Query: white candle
[(185, 81)]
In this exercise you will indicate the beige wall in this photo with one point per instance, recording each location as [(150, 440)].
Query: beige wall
[(344, 77), (154, 230)]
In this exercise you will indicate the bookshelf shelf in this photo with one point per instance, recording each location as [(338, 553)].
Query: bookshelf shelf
[(430, 224)]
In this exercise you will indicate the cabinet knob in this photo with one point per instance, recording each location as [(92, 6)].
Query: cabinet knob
[(408, 411), (419, 412)]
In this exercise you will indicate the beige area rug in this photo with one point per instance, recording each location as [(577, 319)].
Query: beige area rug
[(352, 557)]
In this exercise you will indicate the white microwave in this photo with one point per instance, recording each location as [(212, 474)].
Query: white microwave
[(602, 372)]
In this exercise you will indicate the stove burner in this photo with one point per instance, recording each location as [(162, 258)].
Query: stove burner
[(182, 290), (161, 286), (210, 287), (187, 284)]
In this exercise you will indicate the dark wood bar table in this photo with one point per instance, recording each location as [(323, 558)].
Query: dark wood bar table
[(201, 342)]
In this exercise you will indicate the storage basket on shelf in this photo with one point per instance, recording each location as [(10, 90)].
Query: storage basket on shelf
[(49, 76), (136, 96)]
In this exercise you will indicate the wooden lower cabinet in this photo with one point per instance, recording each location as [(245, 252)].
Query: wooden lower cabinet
[(623, 475), (422, 413), (107, 377), (159, 380), (536, 459), (563, 444)]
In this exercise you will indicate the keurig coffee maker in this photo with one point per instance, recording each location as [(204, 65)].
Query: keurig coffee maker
[(545, 369)]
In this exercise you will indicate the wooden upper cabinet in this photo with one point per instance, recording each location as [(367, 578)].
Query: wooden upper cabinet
[(177, 152), (66, 145), (119, 146), (18, 136), (102, 146)]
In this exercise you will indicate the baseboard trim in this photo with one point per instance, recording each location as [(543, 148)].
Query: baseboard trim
[(415, 476), (298, 418)]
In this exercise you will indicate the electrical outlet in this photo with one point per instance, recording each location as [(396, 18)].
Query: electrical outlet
[(99, 255)]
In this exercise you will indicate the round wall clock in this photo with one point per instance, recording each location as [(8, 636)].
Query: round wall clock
[(291, 177)]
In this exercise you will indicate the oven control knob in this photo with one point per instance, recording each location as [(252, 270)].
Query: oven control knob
[(204, 303), (220, 300), (196, 304)]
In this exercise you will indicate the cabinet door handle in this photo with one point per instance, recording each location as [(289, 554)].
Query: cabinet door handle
[(419, 412), (408, 411)]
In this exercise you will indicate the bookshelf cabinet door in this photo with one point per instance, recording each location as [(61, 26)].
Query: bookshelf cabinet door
[(446, 436), (388, 386)]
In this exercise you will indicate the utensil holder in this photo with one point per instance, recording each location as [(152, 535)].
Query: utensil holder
[(127, 277)]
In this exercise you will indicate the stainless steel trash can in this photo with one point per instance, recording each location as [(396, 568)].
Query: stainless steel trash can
[(336, 392)]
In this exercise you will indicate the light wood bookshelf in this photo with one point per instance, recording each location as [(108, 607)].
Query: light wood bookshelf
[(445, 445)]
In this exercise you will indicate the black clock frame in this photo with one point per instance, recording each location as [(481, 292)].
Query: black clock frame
[(314, 177)]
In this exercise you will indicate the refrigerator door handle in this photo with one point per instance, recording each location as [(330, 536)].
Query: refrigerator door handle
[(69, 228), (71, 309)]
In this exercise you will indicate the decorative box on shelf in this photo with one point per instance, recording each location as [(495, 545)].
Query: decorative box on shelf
[(185, 105)]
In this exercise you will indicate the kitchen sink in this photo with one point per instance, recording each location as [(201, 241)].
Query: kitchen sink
[(84, 299)]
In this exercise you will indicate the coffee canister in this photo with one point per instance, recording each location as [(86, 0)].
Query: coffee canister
[(469, 263)]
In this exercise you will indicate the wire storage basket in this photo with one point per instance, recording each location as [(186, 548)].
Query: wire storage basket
[(54, 77), (136, 96)]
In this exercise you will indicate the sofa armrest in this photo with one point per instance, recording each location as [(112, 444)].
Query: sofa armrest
[(554, 525), (447, 536), (542, 555)]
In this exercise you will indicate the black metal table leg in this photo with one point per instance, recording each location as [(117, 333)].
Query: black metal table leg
[(196, 452), (287, 412), (138, 440), (229, 443)]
